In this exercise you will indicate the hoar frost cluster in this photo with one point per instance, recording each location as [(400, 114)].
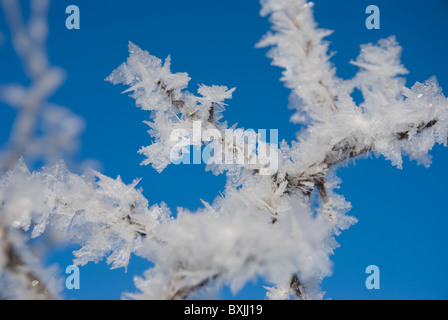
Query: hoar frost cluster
[(263, 225)]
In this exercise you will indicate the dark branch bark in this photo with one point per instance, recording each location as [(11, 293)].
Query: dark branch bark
[(16, 266), (296, 286), (211, 116), (184, 293)]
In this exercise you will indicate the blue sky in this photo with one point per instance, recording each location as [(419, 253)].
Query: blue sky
[(402, 213)]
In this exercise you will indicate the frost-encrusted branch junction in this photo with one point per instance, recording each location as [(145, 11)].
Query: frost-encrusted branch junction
[(337, 128)]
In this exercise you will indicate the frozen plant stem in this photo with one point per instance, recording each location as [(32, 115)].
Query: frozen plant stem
[(28, 39), (262, 226)]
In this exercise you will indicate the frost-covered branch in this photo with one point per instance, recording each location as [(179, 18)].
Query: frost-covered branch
[(263, 225), (41, 131), (174, 109), (392, 121), (60, 128), (105, 216), (299, 49)]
